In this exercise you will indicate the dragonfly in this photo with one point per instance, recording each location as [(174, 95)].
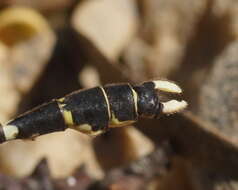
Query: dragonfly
[(96, 110)]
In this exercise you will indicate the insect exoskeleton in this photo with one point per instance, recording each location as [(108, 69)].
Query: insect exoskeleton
[(93, 111)]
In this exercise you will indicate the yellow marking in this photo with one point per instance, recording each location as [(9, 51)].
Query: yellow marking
[(114, 122), (68, 118), (87, 129), (84, 128), (135, 98), (107, 101), (61, 100), (67, 115), (10, 132), (96, 133)]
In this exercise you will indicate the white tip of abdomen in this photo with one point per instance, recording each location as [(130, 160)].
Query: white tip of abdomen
[(167, 86), (173, 106), (10, 132)]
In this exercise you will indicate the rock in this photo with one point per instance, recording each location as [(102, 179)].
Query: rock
[(110, 24)]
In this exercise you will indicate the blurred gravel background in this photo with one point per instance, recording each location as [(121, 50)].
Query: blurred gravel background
[(50, 48)]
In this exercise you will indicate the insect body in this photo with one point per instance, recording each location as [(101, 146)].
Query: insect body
[(93, 111)]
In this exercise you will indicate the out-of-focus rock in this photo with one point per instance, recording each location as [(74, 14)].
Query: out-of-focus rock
[(9, 97), (19, 24), (41, 178), (177, 178), (233, 13), (134, 56), (219, 94), (67, 151), (110, 24), (166, 27), (89, 77), (64, 151), (42, 5), (120, 146), (31, 42), (139, 173)]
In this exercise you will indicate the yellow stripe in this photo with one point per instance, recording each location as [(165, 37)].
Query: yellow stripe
[(67, 115), (135, 97), (114, 122), (107, 101)]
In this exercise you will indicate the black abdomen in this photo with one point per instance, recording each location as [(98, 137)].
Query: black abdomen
[(34, 123), (88, 107), (122, 103)]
